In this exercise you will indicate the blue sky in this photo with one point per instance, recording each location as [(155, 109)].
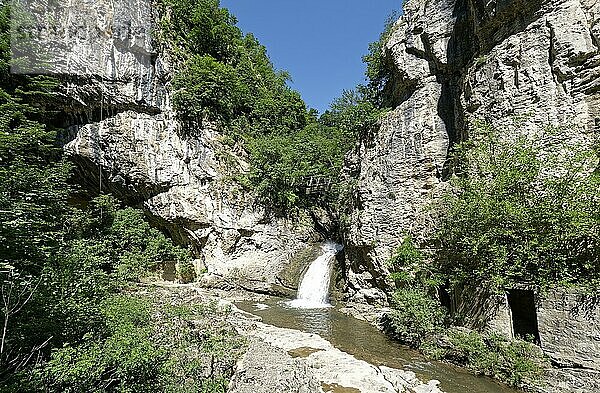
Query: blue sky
[(319, 42)]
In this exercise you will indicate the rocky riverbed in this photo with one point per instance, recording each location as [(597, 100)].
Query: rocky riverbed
[(291, 350), (287, 360)]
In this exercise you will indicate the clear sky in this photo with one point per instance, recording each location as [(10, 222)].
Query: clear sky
[(319, 42)]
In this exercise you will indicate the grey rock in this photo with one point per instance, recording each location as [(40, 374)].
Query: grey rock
[(569, 329), (125, 140), (267, 369), (335, 368)]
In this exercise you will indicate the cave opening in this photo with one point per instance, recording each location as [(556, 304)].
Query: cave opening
[(524, 315)]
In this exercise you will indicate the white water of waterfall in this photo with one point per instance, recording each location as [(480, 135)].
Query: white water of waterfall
[(314, 288)]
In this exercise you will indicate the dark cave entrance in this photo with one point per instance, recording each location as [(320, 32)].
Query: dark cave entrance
[(524, 314)]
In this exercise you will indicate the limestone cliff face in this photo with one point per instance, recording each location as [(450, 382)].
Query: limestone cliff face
[(126, 140), (457, 61)]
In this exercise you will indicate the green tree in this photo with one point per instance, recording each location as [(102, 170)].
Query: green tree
[(380, 65), (206, 88), (522, 209)]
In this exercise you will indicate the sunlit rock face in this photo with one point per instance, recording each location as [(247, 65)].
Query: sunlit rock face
[(456, 61), (518, 64), (124, 138)]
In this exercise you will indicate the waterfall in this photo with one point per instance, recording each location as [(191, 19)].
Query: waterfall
[(314, 288)]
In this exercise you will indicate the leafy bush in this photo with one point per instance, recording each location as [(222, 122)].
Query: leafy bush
[(283, 164), (522, 210), (126, 360), (415, 316), (206, 88), (199, 27), (510, 361), (380, 65), (122, 241), (143, 342), (186, 272), (223, 75), (410, 268), (146, 344)]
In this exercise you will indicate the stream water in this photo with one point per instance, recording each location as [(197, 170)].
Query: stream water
[(312, 313), (367, 343)]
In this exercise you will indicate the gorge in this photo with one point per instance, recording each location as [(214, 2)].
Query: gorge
[(217, 167)]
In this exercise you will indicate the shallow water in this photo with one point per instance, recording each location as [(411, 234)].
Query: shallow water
[(365, 342)]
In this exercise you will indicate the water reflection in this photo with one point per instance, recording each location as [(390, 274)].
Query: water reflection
[(310, 320)]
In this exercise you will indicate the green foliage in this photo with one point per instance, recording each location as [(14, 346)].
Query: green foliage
[(415, 316), (33, 184), (409, 268), (283, 164), (33, 194), (119, 241), (522, 210), (354, 113), (205, 88), (510, 361), (147, 345), (405, 263), (103, 246), (380, 66), (124, 361), (186, 272), (199, 27)]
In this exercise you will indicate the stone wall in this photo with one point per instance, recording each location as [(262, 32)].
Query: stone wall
[(569, 332), (569, 324), (480, 309)]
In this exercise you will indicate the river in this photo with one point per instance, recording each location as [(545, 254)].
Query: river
[(366, 342)]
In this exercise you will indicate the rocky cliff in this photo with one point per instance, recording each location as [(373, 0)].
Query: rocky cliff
[(124, 138), (535, 63), (455, 61)]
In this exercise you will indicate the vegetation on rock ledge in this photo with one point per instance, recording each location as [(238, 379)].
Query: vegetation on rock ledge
[(226, 78), (523, 210)]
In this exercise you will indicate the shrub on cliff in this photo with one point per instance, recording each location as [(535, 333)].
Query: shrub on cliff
[(415, 316), (522, 209), (380, 66), (205, 88), (121, 238)]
